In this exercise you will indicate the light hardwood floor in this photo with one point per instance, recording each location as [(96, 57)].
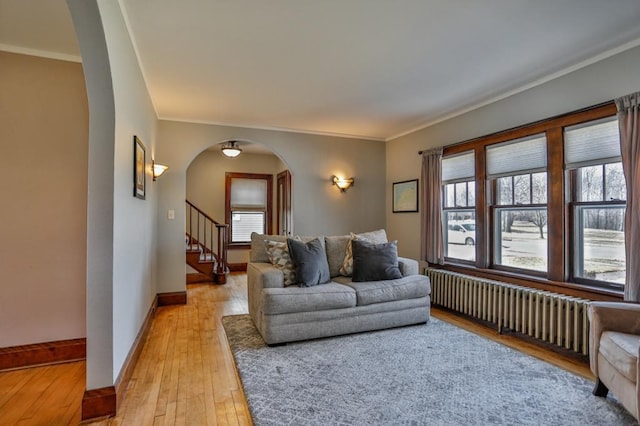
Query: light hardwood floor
[(185, 374)]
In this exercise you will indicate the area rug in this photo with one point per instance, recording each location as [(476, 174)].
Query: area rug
[(433, 374)]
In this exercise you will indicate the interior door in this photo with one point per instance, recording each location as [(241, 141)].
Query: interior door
[(284, 220)]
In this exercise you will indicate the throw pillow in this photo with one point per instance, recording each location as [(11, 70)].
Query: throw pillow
[(310, 261), (379, 236), (278, 252), (375, 262)]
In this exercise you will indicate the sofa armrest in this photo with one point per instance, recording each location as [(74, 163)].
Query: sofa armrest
[(260, 276), (264, 275), (610, 316), (408, 266)]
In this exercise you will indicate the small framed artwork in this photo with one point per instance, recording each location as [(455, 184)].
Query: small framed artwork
[(405, 196), (139, 175)]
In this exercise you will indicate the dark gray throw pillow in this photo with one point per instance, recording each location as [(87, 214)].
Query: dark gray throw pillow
[(310, 261), (375, 262)]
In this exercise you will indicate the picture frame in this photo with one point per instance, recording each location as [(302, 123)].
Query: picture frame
[(405, 196), (139, 166)]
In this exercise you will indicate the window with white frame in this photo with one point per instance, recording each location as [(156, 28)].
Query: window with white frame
[(517, 171), (598, 193), (459, 191)]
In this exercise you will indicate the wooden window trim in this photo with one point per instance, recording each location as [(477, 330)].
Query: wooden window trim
[(559, 218), (227, 203)]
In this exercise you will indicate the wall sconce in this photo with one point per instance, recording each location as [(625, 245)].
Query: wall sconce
[(231, 150), (342, 183), (158, 169)]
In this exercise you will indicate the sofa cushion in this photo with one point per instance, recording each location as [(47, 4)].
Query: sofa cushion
[(374, 262), (310, 261), (336, 249), (279, 256), (378, 236), (370, 292), (259, 249), (621, 350), (307, 299)]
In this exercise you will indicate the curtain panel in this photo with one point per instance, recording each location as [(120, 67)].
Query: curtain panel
[(431, 246), (629, 123)]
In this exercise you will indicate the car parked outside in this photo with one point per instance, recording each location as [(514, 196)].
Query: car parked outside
[(462, 233)]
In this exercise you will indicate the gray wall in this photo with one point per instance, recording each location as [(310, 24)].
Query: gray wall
[(318, 207), (600, 82)]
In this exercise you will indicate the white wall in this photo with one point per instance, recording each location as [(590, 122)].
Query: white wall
[(594, 84), (318, 207), (206, 184), (44, 127), (121, 236)]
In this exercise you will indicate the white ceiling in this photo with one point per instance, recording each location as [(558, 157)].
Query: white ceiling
[(369, 68)]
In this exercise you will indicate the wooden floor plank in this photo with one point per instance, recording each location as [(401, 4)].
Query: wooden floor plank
[(186, 373)]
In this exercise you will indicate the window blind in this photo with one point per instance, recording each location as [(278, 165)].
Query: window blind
[(244, 223), (594, 142), (458, 167), (519, 156), (248, 194)]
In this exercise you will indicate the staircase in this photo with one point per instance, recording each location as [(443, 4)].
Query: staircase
[(206, 246)]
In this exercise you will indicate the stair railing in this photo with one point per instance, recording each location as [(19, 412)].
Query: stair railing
[(200, 231)]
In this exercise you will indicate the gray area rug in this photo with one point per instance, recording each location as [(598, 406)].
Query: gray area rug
[(434, 374)]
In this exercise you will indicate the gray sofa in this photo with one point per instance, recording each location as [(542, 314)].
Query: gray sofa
[(285, 314)]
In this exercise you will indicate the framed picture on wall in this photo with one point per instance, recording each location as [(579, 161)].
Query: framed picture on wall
[(139, 175), (405, 196)]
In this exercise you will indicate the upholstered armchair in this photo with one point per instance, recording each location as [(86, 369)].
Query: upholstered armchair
[(614, 344)]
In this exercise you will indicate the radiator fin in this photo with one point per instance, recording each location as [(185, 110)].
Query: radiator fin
[(551, 317)]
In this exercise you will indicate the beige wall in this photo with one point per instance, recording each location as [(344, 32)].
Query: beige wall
[(43, 183), (594, 84), (206, 184)]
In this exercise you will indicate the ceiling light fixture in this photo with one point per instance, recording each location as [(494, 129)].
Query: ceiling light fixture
[(158, 169), (342, 183), (231, 150)]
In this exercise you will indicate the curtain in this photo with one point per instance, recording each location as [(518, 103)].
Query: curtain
[(431, 212), (629, 122)]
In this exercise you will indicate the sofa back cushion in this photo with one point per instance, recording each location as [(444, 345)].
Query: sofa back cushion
[(259, 248), (336, 249)]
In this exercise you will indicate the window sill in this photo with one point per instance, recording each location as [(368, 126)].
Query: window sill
[(238, 246), (570, 289)]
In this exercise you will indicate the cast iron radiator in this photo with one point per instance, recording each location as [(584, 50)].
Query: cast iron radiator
[(554, 318)]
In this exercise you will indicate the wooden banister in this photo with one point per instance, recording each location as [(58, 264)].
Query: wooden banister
[(212, 245)]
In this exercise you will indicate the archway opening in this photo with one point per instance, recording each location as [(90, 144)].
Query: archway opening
[(250, 192)]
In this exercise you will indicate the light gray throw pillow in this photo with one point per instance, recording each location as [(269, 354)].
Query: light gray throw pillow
[(375, 262), (310, 261)]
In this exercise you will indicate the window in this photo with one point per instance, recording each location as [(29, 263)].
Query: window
[(548, 203), (248, 206), (517, 170), (459, 199), (598, 207)]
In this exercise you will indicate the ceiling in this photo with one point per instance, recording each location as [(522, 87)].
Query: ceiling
[(368, 68)]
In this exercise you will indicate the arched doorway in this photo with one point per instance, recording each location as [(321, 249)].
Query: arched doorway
[(228, 190)]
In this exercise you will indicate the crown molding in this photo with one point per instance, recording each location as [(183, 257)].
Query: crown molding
[(40, 53)]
